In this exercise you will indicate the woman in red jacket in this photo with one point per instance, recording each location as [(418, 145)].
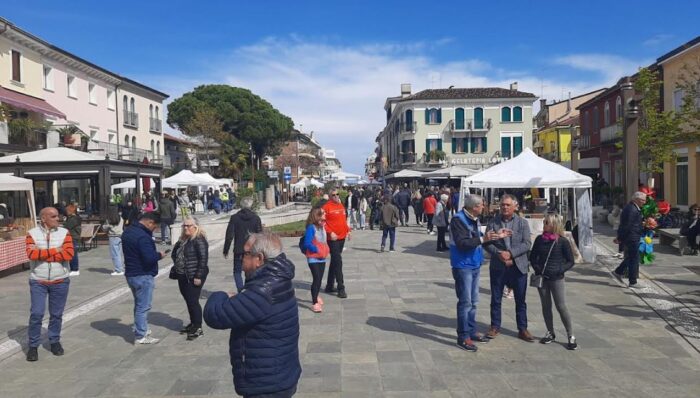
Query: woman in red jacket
[(429, 204), (337, 230)]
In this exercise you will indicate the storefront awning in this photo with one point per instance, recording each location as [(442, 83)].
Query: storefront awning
[(29, 103)]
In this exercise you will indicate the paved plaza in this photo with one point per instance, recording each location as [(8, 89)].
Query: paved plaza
[(394, 336)]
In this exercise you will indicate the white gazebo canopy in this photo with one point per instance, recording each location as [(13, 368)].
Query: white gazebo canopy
[(342, 175), (316, 183), (60, 154), (450, 172), (182, 179), (528, 170), (129, 184), (8, 182), (405, 174), (207, 179)]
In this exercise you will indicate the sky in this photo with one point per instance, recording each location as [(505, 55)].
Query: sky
[(330, 65)]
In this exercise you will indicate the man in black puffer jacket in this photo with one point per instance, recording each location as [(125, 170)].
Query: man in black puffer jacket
[(264, 321), (240, 226)]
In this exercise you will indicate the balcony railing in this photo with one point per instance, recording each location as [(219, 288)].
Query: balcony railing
[(131, 119), (470, 125), (28, 139), (610, 133), (408, 127), (408, 158), (123, 152), (584, 142), (155, 125)]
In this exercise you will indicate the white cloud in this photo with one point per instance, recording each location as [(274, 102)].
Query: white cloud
[(338, 91), (656, 40)]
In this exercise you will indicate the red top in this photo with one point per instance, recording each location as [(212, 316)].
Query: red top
[(336, 221), (429, 204)]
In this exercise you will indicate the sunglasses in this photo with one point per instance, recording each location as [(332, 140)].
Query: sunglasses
[(334, 194), (188, 225)]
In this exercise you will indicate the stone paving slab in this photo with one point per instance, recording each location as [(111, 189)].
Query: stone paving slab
[(393, 337)]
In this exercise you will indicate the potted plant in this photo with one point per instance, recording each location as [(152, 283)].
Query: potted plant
[(437, 155), (66, 133)]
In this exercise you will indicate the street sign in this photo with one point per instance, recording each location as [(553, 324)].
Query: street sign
[(287, 170), (287, 178)]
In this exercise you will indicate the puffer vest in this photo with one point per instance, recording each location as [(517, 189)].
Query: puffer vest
[(48, 270)]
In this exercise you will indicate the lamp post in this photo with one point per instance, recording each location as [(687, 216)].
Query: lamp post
[(630, 137)]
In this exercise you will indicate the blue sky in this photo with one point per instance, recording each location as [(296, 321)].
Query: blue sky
[(330, 65)]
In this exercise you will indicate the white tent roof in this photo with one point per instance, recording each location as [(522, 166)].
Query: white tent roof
[(183, 178), (59, 154), (405, 174), (8, 182), (450, 172), (129, 184), (207, 179), (342, 175), (302, 183), (225, 181), (528, 170), (316, 183)]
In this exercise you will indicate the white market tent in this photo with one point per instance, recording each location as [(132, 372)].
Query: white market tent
[(207, 179), (405, 174), (129, 184), (528, 170), (449, 172), (60, 154), (182, 179), (316, 183), (225, 181), (9, 182), (342, 176)]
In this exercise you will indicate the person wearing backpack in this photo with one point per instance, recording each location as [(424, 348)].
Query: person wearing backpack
[(315, 247)]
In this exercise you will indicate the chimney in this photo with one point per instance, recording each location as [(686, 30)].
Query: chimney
[(405, 89), (543, 103), (514, 86), (568, 103), (311, 134)]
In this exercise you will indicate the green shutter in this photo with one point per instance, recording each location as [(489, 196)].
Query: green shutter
[(409, 120), (505, 147), (478, 118), (439, 115), (517, 145), (439, 146), (459, 119), (505, 114), (484, 142), (427, 146), (427, 116), (454, 145), (517, 114)]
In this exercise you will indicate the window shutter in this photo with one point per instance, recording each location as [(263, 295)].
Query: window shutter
[(427, 146), (459, 119), (505, 147), (483, 144), (427, 116), (478, 118), (454, 145), (439, 142), (505, 114), (517, 114), (439, 115), (517, 145)]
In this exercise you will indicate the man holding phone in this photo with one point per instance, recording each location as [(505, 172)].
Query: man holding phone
[(141, 266), (509, 265)]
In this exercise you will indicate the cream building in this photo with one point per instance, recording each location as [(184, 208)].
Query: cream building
[(437, 128)]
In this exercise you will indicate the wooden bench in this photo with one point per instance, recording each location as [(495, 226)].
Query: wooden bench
[(669, 235)]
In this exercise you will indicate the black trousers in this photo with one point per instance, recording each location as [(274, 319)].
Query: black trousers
[(403, 215), (419, 214), (441, 245), (430, 221), (335, 271), (191, 294), (317, 270)]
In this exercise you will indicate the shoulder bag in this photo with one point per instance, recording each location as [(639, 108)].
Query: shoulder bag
[(538, 280)]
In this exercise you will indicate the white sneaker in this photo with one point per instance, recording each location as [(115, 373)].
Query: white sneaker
[(147, 340), (115, 273), (148, 332), (74, 273), (432, 233)]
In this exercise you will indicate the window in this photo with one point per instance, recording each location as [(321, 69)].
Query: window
[(618, 109), (16, 66), (587, 124), (132, 106), (126, 140), (596, 126), (48, 78), (479, 145), (478, 118), (150, 111), (678, 99), (606, 114), (92, 94), (459, 119), (72, 92), (433, 144), (459, 145), (517, 114), (408, 146), (511, 144), (157, 113), (125, 104), (505, 114), (110, 99), (682, 180), (133, 142), (618, 173), (433, 116), (153, 147), (158, 150)]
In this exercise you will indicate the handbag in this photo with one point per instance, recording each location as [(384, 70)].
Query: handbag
[(538, 280)]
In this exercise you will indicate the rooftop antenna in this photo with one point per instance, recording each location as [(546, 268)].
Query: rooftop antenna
[(542, 86)]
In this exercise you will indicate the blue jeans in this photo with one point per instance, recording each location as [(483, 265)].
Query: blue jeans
[(142, 289), (631, 261), (74, 263), (512, 277), (57, 294), (392, 236), (165, 232), (238, 271), (115, 250), (467, 289)]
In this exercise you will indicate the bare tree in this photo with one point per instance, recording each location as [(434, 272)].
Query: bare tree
[(207, 128)]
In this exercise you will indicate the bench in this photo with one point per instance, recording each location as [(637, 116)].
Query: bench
[(668, 235)]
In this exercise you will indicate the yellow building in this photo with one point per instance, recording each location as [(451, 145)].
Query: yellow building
[(682, 177)]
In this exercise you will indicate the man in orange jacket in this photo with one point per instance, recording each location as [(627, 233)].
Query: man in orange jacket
[(338, 230)]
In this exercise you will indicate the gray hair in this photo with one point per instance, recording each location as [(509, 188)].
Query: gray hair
[(247, 203), (266, 243), (471, 201), (639, 195), (444, 197), (509, 196)]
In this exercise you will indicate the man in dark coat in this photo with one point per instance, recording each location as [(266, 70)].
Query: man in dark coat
[(168, 213), (240, 226), (628, 234), (403, 201), (264, 322)]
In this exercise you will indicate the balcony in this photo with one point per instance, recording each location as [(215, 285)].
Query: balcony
[(408, 128), (611, 133), (408, 158), (155, 125), (469, 125), (123, 152), (584, 142), (131, 119)]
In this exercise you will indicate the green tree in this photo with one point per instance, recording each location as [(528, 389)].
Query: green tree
[(244, 115)]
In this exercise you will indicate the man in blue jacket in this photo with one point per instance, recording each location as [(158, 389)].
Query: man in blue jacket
[(141, 266), (628, 235), (466, 256), (264, 322)]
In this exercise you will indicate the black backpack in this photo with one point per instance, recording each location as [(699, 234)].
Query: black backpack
[(301, 245)]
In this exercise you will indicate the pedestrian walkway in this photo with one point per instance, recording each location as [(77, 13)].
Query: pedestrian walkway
[(394, 336)]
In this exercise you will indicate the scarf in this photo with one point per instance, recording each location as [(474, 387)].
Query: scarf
[(549, 237)]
